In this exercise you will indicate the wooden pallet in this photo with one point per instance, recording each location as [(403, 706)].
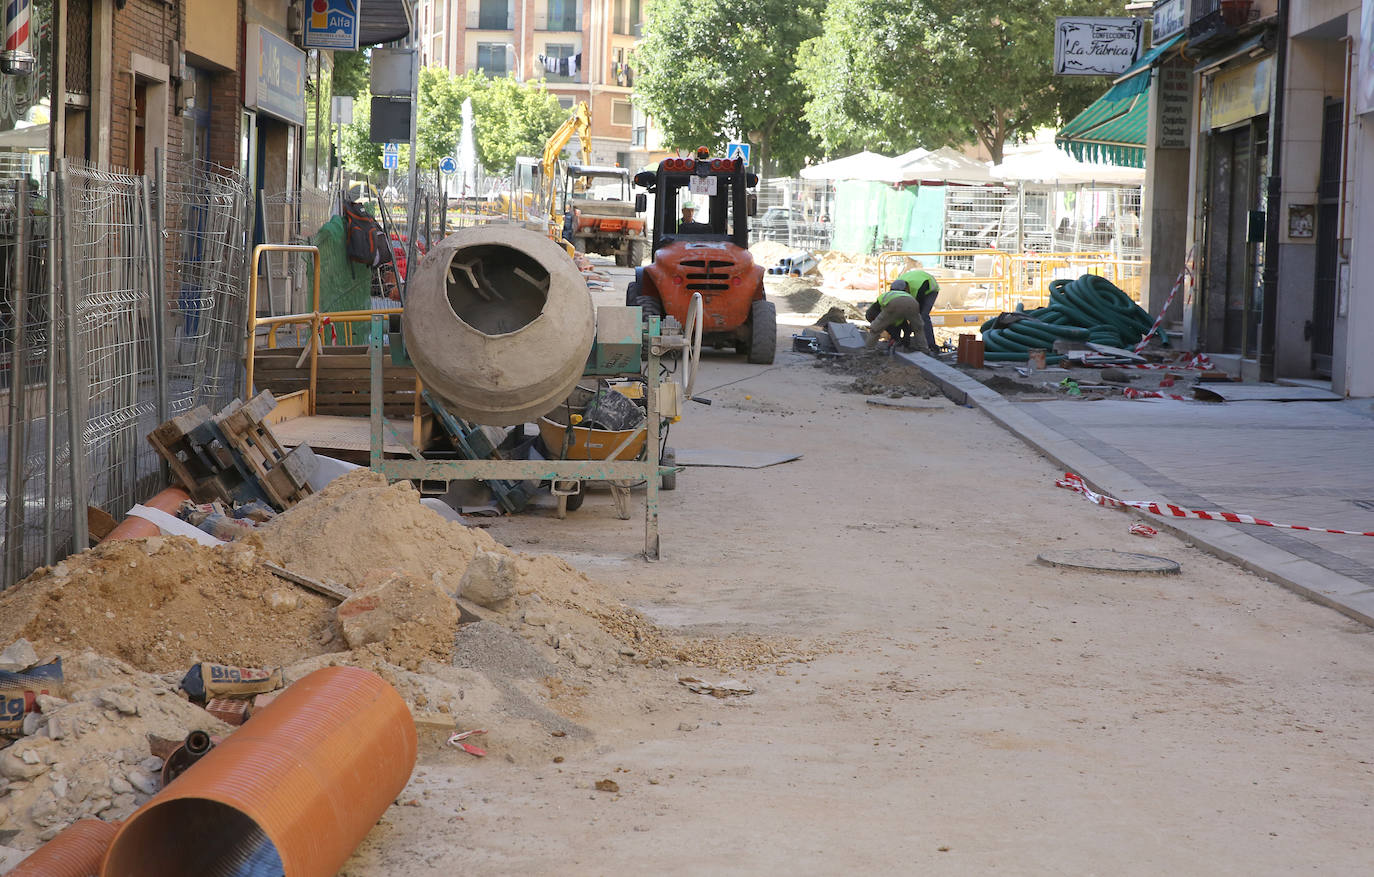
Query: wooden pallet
[(233, 457), (283, 475)]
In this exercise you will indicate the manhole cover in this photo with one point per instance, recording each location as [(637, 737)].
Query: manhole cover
[(1107, 560)]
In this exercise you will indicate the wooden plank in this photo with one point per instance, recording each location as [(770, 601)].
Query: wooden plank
[(327, 432), (337, 592), (289, 405)]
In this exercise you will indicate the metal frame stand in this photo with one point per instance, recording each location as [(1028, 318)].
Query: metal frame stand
[(648, 470)]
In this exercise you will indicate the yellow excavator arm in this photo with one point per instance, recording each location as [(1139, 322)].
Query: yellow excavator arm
[(579, 123)]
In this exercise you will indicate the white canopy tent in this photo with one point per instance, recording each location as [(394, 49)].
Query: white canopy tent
[(20, 139), (1041, 161), (861, 166), (943, 164)]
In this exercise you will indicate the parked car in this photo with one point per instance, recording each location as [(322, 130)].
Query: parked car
[(779, 218)]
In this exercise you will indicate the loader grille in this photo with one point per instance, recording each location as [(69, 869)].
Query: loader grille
[(709, 275)]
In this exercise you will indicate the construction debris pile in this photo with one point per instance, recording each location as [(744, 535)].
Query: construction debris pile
[(470, 633)]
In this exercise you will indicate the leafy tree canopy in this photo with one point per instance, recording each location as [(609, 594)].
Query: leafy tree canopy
[(712, 70), (891, 75), (351, 73), (510, 118)]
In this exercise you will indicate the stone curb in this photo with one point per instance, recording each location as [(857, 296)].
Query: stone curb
[(1310, 580)]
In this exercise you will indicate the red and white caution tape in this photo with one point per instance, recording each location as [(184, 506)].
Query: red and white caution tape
[(1140, 528), (1133, 393), (1165, 510), (1196, 362), (1173, 291)]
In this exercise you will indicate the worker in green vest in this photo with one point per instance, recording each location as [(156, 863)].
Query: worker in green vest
[(926, 289), (898, 313)]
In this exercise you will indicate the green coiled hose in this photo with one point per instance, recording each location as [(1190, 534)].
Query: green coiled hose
[(1090, 308)]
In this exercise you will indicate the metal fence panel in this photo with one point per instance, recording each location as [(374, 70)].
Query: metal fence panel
[(206, 210), (105, 219)]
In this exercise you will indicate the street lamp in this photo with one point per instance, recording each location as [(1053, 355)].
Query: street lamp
[(519, 63)]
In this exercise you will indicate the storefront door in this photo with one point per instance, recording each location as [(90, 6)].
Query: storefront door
[(1234, 237), (1323, 326)]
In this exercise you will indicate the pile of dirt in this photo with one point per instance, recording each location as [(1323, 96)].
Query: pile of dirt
[(552, 649), (161, 604), (767, 254), (877, 374), (578, 622), (850, 271), (798, 295), (358, 523)]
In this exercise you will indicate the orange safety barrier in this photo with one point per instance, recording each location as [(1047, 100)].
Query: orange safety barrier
[(75, 852), (168, 500), (293, 791)]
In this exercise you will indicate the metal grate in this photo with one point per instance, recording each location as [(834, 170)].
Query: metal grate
[(79, 46)]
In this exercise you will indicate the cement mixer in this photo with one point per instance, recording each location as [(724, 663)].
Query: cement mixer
[(499, 323)]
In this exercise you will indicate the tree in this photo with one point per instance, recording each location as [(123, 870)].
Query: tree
[(510, 118), (891, 75), (352, 72), (709, 71)]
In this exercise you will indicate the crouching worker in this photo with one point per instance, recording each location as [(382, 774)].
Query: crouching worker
[(897, 307)]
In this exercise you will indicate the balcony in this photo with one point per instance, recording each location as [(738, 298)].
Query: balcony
[(1217, 21), (558, 17), (491, 16)]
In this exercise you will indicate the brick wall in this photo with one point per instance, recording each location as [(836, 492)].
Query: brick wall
[(146, 28)]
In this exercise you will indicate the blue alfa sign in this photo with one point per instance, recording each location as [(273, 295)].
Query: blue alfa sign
[(332, 24)]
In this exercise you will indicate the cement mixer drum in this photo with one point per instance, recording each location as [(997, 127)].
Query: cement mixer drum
[(499, 322)]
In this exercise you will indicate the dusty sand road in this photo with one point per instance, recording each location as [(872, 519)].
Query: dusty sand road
[(979, 714)]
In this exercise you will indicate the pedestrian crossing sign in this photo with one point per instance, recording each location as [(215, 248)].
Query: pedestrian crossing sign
[(738, 150)]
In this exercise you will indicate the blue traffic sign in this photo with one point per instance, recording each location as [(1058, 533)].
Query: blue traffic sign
[(448, 165), (391, 149), (390, 161), (738, 150), (331, 24)]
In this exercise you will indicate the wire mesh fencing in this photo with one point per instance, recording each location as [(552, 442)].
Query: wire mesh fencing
[(205, 210), (36, 487), (121, 303), (106, 221)]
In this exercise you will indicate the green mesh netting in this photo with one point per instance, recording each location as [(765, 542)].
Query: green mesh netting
[(344, 284), (868, 214)]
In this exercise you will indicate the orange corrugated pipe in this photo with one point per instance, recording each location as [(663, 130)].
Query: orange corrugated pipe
[(75, 852), (295, 789), (168, 501)]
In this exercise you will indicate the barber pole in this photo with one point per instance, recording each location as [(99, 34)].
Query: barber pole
[(16, 59)]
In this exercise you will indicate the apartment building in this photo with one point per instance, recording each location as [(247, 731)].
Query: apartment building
[(582, 49)]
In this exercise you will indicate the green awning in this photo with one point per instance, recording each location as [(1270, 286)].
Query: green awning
[(1112, 129)]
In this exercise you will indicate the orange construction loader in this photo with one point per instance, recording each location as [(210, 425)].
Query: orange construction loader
[(706, 253)]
